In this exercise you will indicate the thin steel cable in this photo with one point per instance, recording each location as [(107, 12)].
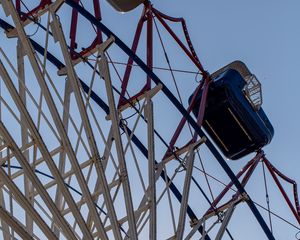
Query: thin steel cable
[(205, 175), (178, 93), (38, 22), (93, 26), (278, 216), (128, 95), (177, 89), (167, 60), (297, 235), (27, 9), (229, 234), (156, 67), (256, 203), (180, 99), (68, 185), (204, 194), (267, 196)]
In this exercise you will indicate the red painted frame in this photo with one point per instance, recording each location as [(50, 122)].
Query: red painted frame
[(24, 16), (146, 17), (148, 14), (274, 173), (248, 170), (73, 28), (73, 32)]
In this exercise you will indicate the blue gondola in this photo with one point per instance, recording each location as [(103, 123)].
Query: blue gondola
[(233, 116)]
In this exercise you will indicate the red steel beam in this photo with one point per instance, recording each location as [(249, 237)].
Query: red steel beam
[(284, 194)]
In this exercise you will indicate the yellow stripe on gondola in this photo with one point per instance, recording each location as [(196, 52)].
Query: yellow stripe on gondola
[(244, 130), (223, 144)]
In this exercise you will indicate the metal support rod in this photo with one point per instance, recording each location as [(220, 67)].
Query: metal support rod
[(24, 133), (104, 70), (225, 222), (90, 136), (43, 149), (26, 204), (185, 31), (183, 119), (38, 161), (202, 107), (293, 182), (269, 166), (249, 173), (245, 179), (123, 220), (4, 225), (37, 183), (73, 32), (195, 228), (56, 118), (184, 48), (34, 11), (62, 155), (227, 188), (129, 64), (186, 190), (151, 168), (203, 232), (149, 17), (14, 224), (105, 158)]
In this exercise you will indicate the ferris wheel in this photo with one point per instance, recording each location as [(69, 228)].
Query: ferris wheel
[(99, 139)]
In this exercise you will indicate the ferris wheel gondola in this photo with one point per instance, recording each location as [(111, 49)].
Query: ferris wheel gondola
[(125, 5)]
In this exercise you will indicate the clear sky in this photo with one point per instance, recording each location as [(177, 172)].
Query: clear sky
[(265, 34)]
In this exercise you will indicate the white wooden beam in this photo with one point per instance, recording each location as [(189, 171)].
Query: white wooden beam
[(13, 223), (24, 133), (185, 196), (43, 149), (225, 221), (104, 70), (90, 135), (28, 207), (56, 117), (151, 168), (37, 183)]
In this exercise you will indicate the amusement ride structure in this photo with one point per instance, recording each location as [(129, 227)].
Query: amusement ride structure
[(98, 142)]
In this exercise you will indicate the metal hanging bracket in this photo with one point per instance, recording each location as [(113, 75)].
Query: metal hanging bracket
[(181, 151), (148, 94), (101, 48), (12, 33), (105, 45)]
